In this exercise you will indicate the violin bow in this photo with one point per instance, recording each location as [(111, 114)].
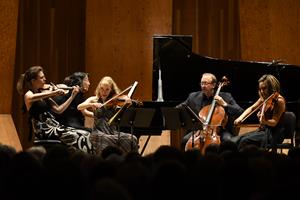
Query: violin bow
[(132, 89), (258, 107), (116, 96)]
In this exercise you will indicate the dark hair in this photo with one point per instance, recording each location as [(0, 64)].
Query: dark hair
[(24, 82), (75, 79)]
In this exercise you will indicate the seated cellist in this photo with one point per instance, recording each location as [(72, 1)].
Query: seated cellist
[(199, 99)]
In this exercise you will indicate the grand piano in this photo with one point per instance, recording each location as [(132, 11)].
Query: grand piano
[(177, 71)]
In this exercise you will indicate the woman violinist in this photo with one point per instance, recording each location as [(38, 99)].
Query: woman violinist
[(105, 104), (271, 106), (39, 103), (200, 99), (72, 116)]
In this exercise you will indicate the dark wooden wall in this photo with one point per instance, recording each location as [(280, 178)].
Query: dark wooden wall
[(115, 38), (119, 40), (51, 33), (8, 32), (214, 25), (270, 30)]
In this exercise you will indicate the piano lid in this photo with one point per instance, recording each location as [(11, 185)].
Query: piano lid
[(181, 70)]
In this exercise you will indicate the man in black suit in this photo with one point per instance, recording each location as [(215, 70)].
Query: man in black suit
[(199, 102)]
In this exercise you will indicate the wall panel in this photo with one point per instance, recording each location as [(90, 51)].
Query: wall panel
[(8, 32), (270, 30), (119, 40)]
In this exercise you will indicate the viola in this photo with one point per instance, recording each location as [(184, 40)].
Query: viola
[(270, 102), (212, 118), (267, 104)]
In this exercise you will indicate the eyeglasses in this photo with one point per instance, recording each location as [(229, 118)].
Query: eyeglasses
[(205, 83)]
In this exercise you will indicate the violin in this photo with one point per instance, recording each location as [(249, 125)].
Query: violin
[(52, 87), (121, 101), (126, 105)]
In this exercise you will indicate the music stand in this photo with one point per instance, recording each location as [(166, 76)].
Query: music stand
[(171, 118), (137, 118), (190, 120)]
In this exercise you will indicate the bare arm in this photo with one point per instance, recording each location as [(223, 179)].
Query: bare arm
[(91, 102), (31, 97), (62, 107), (248, 111), (87, 113)]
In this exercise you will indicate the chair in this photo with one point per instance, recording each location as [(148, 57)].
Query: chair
[(47, 144), (286, 133)]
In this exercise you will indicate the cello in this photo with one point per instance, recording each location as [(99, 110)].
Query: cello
[(212, 118)]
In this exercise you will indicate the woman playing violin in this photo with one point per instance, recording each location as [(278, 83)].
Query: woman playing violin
[(104, 106), (72, 116), (272, 106), (39, 103)]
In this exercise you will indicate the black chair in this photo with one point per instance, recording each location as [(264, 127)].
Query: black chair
[(47, 144), (286, 133)]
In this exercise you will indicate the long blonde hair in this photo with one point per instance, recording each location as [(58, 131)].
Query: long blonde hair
[(272, 83), (107, 80)]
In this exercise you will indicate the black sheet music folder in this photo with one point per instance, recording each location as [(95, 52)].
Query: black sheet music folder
[(137, 117), (189, 119), (171, 119)]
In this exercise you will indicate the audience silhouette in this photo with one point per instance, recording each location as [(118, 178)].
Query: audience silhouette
[(223, 172)]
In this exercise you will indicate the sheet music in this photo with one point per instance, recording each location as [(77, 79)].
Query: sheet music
[(132, 89)]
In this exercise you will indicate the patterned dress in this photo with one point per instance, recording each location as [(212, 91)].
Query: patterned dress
[(105, 134), (45, 126)]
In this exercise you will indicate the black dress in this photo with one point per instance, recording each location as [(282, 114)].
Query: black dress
[(45, 126), (71, 116)]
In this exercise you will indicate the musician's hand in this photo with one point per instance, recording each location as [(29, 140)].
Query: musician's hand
[(76, 90), (237, 121), (94, 106), (127, 100), (258, 115), (263, 121), (60, 92), (220, 101)]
